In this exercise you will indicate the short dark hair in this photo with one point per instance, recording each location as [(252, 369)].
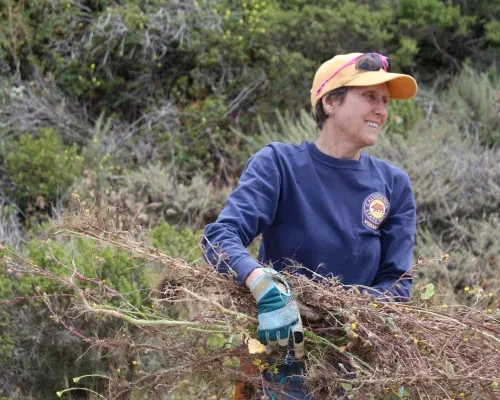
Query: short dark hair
[(338, 94)]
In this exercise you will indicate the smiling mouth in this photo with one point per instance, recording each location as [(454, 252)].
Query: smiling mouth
[(372, 124)]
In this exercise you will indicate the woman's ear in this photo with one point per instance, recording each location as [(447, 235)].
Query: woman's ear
[(329, 104)]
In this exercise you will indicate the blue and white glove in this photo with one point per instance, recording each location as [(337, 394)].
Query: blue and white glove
[(278, 314)]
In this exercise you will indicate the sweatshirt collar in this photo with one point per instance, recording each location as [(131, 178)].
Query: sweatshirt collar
[(334, 162)]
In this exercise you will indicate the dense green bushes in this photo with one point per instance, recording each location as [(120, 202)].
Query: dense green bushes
[(27, 325), (42, 167), (220, 64)]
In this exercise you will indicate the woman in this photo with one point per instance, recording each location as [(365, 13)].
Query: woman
[(325, 204)]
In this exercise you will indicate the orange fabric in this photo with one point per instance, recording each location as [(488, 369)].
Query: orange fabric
[(247, 367)]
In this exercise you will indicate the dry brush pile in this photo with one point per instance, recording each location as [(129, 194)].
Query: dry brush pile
[(201, 324)]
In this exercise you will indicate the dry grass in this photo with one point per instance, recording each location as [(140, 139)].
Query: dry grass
[(367, 346)]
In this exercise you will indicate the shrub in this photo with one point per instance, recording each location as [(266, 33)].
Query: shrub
[(473, 259), (42, 352), (404, 115), (177, 243), (473, 102), (152, 194), (42, 166), (11, 232)]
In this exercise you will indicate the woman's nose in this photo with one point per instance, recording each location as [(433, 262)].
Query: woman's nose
[(381, 108)]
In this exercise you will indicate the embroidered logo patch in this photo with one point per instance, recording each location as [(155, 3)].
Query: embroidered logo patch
[(375, 209)]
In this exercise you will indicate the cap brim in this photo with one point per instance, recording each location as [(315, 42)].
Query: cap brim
[(401, 86)]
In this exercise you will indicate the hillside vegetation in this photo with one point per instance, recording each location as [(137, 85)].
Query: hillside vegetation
[(148, 110)]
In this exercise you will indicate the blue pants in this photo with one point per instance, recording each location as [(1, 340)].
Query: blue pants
[(292, 380)]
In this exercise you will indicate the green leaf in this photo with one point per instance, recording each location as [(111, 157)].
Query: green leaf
[(429, 291), (346, 386), (403, 392)]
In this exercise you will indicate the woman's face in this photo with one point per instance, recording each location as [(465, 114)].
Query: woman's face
[(362, 114)]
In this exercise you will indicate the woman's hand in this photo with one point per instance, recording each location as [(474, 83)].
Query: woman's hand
[(278, 313)]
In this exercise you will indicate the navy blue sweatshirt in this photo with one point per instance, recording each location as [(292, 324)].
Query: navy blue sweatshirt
[(351, 219)]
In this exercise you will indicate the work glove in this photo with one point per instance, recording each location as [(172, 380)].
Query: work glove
[(278, 312)]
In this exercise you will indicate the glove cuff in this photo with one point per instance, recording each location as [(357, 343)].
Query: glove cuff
[(267, 281)]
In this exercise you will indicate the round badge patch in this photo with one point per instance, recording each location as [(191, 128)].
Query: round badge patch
[(375, 209)]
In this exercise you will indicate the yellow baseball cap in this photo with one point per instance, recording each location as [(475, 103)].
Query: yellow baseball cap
[(360, 69)]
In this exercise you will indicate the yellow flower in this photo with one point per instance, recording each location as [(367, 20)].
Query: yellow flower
[(462, 394), (134, 362), (406, 309), (256, 362), (467, 289), (490, 310), (446, 256), (118, 370), (495, 384), (355, 335), (59, 394), (353, 325), (374, 305), (76, 380), (396, 335), (465, 340), (490, 294), (275, 371), (92, 66), (415, 341), (444, 306)]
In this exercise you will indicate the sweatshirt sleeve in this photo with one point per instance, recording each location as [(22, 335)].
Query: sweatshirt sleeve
[(398, 241), (248, 211)]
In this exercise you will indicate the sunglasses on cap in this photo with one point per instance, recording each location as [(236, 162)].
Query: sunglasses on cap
[(364, 62)]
